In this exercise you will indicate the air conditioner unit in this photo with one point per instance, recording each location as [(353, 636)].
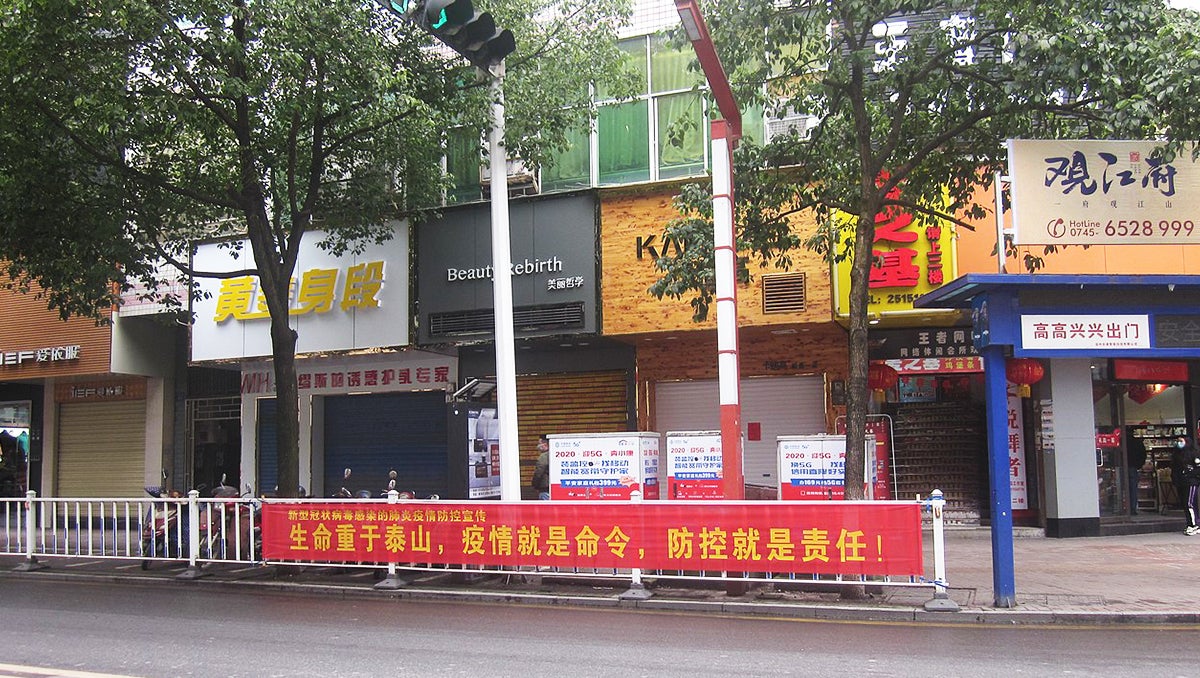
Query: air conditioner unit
[(788, 122), (521, 179)]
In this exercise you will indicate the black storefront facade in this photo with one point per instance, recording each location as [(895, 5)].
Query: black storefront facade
[(569, 379)]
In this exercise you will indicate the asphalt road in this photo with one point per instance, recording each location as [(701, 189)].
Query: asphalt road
[(149, 630)]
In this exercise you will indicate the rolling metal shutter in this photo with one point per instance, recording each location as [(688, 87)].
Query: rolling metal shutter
[(372, 434), (578, 402), (268, 449), (781, 405), (102, 449)]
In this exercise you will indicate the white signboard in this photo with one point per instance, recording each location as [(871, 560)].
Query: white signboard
[(1087, 192), (603, 466), (694, 465), (814, 466), (337, 303), (1016, 452), (1085, 331)]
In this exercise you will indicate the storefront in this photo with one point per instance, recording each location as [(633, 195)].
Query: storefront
[(1110, 348), (368, 401), (370, 414), (936, 415), (569, 379), (1142, 407), (88, 407), (792, 356)]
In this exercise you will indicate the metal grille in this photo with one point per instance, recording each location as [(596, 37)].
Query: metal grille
[(783, 293), (561, 316)]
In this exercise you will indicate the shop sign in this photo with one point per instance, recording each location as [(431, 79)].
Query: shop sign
[(336, 302), (1016, 451), (404, 373), (947, 342), (913, 258), (1157, 371), (99, 391), (1088, 192), (1177, 331), (1085, 331), (970, 364), (836, 538), (51, 354)]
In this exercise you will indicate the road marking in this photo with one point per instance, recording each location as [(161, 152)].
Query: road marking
[(19, 671), (84, 563)]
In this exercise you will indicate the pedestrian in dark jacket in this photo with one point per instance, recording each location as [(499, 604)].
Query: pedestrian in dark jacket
[(1187, 466)]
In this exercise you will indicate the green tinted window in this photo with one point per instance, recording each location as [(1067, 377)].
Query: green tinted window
[(680, 135), (624, 143), (669, 67), (634, 63), (464, 153), (572, 167)]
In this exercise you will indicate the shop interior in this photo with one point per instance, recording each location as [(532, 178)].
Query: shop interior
[(1137, 426)]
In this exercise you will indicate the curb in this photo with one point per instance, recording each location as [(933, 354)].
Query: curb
[(732, 607)]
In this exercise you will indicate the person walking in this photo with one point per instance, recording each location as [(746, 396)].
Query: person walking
[(1188, 467)]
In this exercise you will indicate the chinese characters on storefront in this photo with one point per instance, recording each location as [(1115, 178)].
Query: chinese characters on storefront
[(406, 373), (320, 290), (1085, 331), (1088, 192), (50, 354), (838, 538)]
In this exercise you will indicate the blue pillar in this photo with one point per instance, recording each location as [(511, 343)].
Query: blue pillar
[(995, 382)]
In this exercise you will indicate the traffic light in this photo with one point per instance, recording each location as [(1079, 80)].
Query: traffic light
[(456, 23)]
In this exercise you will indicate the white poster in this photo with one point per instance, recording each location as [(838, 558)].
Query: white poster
[(1088, 192), (1016, 451), (603, 466)]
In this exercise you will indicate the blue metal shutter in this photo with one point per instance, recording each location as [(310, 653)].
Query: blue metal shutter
[(268, 449), (372, 434)]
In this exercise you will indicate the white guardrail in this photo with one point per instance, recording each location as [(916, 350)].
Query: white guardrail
[(200, 530)]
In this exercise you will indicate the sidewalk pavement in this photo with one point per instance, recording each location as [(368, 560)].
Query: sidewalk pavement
[(1129, 579)]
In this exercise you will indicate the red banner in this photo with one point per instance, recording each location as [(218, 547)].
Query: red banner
[(850, 538)]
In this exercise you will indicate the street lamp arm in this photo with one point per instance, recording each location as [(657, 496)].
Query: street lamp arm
[(710, 63)]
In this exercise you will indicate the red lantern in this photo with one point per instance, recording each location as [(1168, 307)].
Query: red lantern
[(1023, 372), (881, 376)]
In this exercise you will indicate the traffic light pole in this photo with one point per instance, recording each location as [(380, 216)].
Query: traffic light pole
[(502, 300)]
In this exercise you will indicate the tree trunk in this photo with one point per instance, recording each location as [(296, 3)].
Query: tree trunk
[(857, 392)]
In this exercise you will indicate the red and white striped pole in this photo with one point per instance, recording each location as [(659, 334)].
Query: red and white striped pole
[(725, 135), (728, 369)]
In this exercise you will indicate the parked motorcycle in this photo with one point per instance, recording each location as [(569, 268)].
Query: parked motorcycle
[(234, 526), (162, 533), (344, 493), (403, 494)]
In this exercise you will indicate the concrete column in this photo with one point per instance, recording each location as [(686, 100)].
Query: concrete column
[(1072, 498)]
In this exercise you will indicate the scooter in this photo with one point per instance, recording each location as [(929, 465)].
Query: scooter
[(162, 534), (344, 493), (405, 494), (234, 526)]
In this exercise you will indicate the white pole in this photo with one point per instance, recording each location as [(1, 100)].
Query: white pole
[(941, 601), (506, 364), (728, 370), (999, 224)]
